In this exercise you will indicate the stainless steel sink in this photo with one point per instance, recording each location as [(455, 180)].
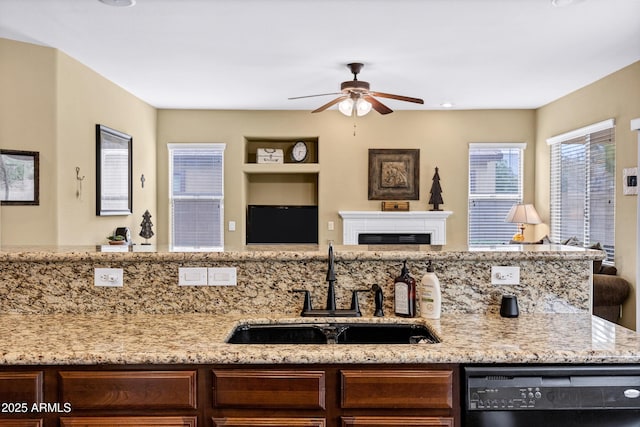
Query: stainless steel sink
[(332, 333)]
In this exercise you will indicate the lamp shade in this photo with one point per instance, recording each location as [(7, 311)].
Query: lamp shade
[(523, 214)]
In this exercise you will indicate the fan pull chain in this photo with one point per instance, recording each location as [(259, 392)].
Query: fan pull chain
[(354, 128)]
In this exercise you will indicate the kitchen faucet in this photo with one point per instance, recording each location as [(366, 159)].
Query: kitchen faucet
[(331, 311)]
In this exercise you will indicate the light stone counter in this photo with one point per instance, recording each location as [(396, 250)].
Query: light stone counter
[(90, 339), (50, 280)]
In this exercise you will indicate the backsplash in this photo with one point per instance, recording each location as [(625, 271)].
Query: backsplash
[(62, 282)]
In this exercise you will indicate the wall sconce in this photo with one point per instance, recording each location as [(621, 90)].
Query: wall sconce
[(522, 214)]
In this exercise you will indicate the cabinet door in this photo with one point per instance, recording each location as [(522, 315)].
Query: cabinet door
[(397, 421), (129, 389), (21, 387), (397, 389), (269, 422), (128, 422), (20, 423), (286, 389)]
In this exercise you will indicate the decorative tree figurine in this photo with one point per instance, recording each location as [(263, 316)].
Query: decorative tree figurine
[(146, 225), (436, 193)]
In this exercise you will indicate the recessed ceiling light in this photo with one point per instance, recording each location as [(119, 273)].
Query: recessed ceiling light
[(119, 3), (446, 105), (563, 3)]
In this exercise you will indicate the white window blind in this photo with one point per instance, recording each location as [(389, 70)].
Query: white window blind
[(196, 195), (495, 185), (583, 187)]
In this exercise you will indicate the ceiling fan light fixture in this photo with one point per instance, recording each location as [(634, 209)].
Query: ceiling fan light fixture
[(119, 3), (346, 107), (362, 107)]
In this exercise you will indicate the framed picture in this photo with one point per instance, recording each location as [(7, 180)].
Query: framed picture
[(19, 177), (394, 174), (114, 169)]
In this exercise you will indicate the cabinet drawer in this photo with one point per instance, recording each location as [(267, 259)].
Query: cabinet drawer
[(241, 388), (396, 389), (21, 423), (269, 422), (21, 387), (129, 389), (128, 422), (397, 421)]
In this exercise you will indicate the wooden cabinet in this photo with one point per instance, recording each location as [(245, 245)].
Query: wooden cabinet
[(398, 388), (129, 389), (397, 421), (21, 423), (307, 395), (269, 422), (128, 422), (268, 388), (335, 396)]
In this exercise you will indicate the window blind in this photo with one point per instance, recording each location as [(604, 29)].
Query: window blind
[(196, 195), (495, 185), (583, 189)]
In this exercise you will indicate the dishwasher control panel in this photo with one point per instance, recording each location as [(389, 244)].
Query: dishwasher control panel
[(494, 391)]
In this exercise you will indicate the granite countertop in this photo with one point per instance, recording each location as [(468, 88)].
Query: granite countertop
[(64, 339), (297, 252)]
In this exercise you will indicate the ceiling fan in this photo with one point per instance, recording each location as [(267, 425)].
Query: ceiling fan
[(355, 96)]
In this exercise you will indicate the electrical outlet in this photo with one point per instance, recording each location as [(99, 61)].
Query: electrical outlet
[(192, 276), (222, 276), (501, 275), (108, 277)]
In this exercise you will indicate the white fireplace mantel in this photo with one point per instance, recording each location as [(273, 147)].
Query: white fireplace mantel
[(424, 222)]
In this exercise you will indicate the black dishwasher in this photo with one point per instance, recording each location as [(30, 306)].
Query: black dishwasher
[(551, 396)]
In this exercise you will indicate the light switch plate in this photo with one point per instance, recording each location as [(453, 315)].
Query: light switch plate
[(192, 276), (501, 275), (222, 276), (108, 277)]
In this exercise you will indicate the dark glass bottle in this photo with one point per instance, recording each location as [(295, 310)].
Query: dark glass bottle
[(404, 288)]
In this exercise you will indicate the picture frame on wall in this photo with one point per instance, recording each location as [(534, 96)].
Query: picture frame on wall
[(114, 172), (19, 177), (394, 174)]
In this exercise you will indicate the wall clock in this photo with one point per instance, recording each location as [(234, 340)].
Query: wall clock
[(299, 152)]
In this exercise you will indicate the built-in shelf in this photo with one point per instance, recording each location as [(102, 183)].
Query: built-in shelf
[(252, 144), (253, 168)]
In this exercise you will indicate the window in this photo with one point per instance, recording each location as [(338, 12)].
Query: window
[(495, 185), (196, 196), (583, 186)]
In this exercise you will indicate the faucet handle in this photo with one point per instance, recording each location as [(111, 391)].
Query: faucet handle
[(355, 306), (307, 300), (379, 299)]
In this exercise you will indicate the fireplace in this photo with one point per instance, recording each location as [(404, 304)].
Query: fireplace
[(402, 224)]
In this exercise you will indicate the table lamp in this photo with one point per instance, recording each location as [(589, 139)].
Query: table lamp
[(522, 214)]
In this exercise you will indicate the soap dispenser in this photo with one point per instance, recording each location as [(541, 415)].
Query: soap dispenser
[(405, 293), (430, 294)]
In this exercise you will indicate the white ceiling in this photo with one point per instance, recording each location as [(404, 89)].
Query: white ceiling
[(254, 54)]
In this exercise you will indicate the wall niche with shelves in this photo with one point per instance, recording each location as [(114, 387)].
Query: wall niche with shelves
[(252, 144)]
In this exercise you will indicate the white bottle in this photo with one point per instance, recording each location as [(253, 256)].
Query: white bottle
[(430, 294)]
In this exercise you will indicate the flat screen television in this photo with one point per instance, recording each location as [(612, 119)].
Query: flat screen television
[(282, 224)]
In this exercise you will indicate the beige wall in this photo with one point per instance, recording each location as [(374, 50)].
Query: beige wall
[(51, 103), (28, 122), (441, 136), (84, 99), (616, 96)]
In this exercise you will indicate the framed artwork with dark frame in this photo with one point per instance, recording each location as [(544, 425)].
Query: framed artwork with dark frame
[(394, 174), (19, 177), (114, 170)]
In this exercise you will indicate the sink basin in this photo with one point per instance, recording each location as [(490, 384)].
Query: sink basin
[(278, 334), (332, 333), (386, 334)]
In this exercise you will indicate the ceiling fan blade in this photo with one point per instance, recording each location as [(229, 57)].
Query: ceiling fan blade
[(398, 97), (312, 96), (377, 105), (330, 103)]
